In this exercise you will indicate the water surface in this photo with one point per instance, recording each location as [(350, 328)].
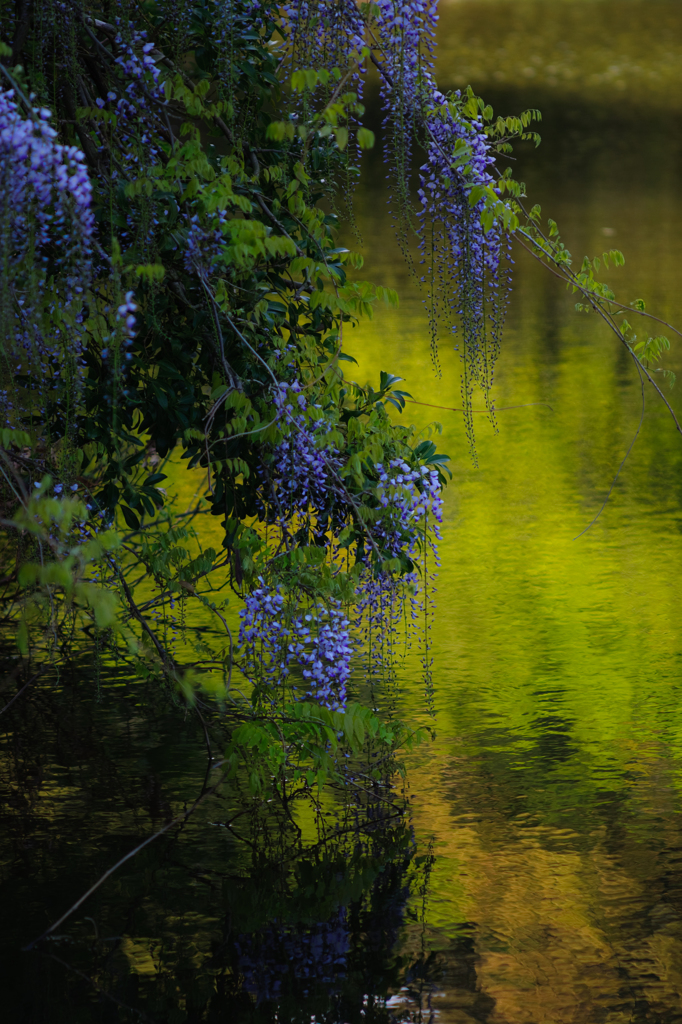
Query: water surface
[(553, 791), (551, 796)]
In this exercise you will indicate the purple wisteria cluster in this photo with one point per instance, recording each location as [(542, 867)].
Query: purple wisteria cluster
[(388, 605), (302, 463), (379, 615), (318, 953), (274, 637), (229, 21), (324, 33), (205, 244), (406, 34), (47, 220), (408, 515), (328, 35), (412, 505), (406, 31), (130, 116), (263, 636), (140, 89), (464, 260), (463, 257), (46, 238), (127, 323), (464, 272)]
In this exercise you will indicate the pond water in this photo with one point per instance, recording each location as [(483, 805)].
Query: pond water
[(538, 878)]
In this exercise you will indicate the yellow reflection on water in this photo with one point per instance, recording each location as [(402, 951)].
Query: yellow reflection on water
[(553, 789), (594, 48)]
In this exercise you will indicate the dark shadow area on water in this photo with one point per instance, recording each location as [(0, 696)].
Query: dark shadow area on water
[(228, 916)]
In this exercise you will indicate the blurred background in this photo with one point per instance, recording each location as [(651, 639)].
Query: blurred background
[(552, 793)]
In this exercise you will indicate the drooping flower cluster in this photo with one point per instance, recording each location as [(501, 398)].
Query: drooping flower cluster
[(263, 635), (46, 232), (125, 316), (463, 257), (134, 105), (389, 605), (133, 65), (329, 35), (273, 638), (126, 313), (139, 89), (412, 503), (320, 642), (463, 260), (324, 33), (205, 244), (302, 463), (319, 953), (378, 618), (46, 208), (231, 22)]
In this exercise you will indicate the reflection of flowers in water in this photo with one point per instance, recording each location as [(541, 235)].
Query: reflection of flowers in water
[(316, 954), (350, 953)]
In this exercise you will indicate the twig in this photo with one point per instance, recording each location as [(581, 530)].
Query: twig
[(249, 346), (19, 693), (167, 661), (100, 991), (247, 433), (107, 874), (505, 408)]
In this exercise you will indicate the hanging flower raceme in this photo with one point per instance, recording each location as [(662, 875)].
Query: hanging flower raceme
[(329, 36), (134, 108), (274, 638), (323, 33), (47, 216), (263, 637), (405, 32), (205, 244), (303, 462), (46, 233), (388, 604), (411, 504), (138, 97), (321, 644), (463, 258)]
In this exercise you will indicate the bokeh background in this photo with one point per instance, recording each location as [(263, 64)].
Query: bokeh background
[(552, 792)]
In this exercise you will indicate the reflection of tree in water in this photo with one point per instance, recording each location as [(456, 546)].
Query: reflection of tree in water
[(207, 923), (343, 966), (317, 954)]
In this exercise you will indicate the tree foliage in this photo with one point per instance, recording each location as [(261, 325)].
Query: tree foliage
[(173, 287)]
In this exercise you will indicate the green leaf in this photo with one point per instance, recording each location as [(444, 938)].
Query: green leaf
[(131, 519), (365, 138), (298, 81)]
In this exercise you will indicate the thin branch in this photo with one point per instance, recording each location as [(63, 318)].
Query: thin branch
[(19, 693), (504, 408), (107, 874), (248, 433), (249, 346), (100, 991)]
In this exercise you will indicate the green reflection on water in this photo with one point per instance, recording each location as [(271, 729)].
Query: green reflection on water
[(552, 792), (553, 789)]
